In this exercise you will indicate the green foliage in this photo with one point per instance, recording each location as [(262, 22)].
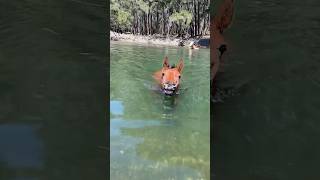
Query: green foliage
[(143, 6), (120, 14), (114, 5), (166, 17), (124, 19), (183, 16)]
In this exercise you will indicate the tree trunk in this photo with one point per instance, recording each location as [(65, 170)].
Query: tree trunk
[(164, 22), (157, 22), (195, 18), (198, 30), (145, 24)]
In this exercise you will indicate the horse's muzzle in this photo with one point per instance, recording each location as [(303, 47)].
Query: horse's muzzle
[(169, 89)]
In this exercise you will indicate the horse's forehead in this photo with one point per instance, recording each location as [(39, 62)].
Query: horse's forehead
[(172, 71)]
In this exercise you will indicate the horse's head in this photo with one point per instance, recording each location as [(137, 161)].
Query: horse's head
[(170, 76), (220, 22)]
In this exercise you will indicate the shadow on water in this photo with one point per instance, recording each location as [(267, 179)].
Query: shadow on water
[(169, 106)]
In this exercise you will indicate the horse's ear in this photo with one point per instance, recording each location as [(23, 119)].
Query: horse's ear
[(225, 14), (165, 62), (180, 65)]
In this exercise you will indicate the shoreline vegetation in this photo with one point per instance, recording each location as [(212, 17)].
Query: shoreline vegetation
[(167, 22)]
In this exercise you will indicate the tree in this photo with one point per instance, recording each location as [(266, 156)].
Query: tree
[(164, 17), (182, 19)]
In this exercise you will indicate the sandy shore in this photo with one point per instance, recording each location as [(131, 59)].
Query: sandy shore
[(153, 40)]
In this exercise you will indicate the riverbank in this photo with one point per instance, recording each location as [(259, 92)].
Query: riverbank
[(153, 40)]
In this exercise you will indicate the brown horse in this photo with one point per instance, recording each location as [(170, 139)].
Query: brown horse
[(169, 76), (220, 22)]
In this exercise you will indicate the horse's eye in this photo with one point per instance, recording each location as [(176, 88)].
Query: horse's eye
[(162, 74), (179, 77)]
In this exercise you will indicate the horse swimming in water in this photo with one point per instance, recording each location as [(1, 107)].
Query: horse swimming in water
[(168, 77)]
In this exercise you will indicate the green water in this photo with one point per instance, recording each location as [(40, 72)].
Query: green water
[(271, 129), (152, 136)]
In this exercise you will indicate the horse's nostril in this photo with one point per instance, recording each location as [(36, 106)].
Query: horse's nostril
[(222, 49)]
